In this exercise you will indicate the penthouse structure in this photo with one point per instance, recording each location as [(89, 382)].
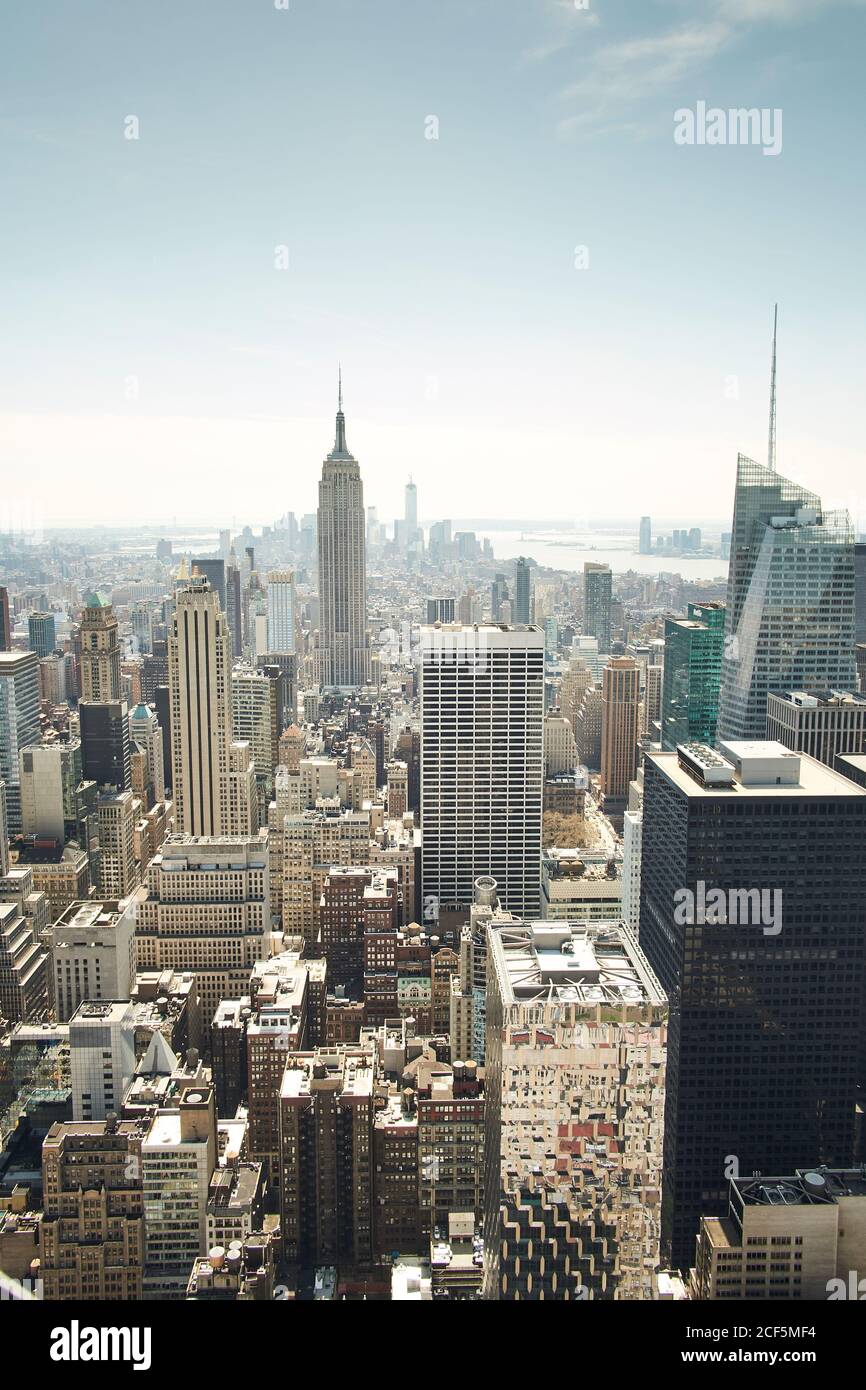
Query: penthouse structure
[(575, 1075)]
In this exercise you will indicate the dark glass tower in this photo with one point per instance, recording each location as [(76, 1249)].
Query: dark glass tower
[(767, 1003), (597, 592), (105, 743)]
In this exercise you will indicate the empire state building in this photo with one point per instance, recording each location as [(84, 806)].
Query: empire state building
[(344, 654)]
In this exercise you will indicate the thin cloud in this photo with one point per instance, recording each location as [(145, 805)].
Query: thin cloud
[(620, 76)]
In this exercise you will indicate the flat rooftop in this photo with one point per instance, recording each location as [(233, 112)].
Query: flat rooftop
[(806, 1187), (814, 699), (574, 962), (815, 779), (350, 1074)]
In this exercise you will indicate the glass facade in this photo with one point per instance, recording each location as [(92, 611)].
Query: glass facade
[(692, 673), (764, 1050), (790, 622)]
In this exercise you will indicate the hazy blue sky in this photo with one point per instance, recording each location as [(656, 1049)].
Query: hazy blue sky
[(156, 362)]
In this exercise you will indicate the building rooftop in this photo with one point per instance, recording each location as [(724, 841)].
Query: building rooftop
[(807, 1187), (699, 771), (87, 918), (813, 699), (106, 1012), (351, 1073), (572, 962)]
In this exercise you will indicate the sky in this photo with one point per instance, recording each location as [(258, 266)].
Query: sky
[(543, 304)]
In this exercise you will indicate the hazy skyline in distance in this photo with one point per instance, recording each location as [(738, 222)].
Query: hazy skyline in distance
[(160, 362)]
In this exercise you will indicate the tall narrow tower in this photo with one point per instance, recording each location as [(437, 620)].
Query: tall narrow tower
[(100, 651), (344, 656), (199, 675)]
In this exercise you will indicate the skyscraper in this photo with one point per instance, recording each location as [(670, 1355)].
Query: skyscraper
[(344, 656), (106, 744), (5, 626), (234, 607), (19, 723), (482, 763), (692, 673), (790, 614), (41, 632), (521, 612), (752, 887), (326, 1170), (281, 611), (201, 712), (619, 730), (440, 610), (100, 651), (49, 776), (645, 543), (575, 1084), (4, 832), (597, 590)]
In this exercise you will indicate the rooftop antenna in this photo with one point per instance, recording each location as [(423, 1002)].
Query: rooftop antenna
[(771, 443)]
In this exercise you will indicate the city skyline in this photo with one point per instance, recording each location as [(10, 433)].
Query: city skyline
[(431, 851), (197, 351)]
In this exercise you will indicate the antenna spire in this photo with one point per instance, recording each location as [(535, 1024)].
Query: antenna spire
[(340, 448), (771, 443)]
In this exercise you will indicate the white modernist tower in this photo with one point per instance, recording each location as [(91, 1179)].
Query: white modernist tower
[(344, 655), (482, 763)]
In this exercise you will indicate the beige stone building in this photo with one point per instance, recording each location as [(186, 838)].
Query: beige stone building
[(786, 1238), (206, 909)]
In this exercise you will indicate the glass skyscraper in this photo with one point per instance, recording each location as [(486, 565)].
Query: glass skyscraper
[(692, 672), (597, 589), (790, 620), (521, 611), (19, 723), (752, 890)]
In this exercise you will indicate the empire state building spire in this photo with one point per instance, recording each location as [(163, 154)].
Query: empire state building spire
[(340, 449)]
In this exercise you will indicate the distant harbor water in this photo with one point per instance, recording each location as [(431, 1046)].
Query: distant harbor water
[(563, 551)]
